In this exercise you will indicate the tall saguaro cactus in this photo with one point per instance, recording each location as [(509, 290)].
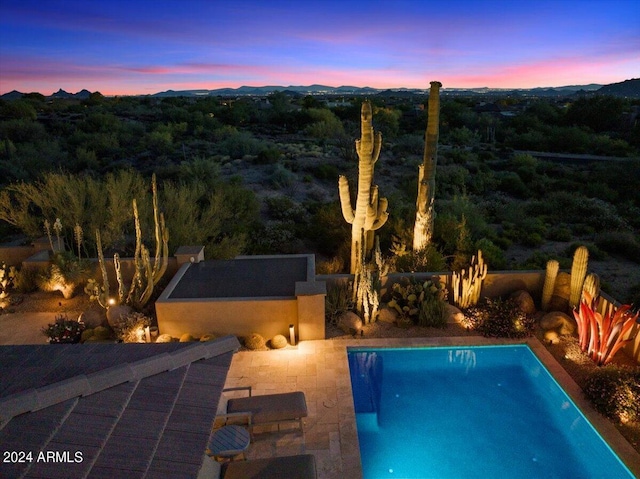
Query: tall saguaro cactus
[(370, 212), (423, 228)]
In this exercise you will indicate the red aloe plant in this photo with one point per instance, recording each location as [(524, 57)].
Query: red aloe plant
[(602, 337)]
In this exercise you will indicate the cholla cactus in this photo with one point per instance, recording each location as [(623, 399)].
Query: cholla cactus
[(370, 212)]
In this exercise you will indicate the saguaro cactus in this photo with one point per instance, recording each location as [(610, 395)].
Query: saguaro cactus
[(370, 212), (423, 228)]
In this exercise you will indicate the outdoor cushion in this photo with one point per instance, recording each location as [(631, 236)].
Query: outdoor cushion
[(287, 467), (271, 408)]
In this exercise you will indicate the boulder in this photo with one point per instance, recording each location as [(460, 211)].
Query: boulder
[(93, 317), (563, 323), (552, 336), (349, 322), (115, 313), (560, 298), (454, 315), (388, 315), (524, 301)]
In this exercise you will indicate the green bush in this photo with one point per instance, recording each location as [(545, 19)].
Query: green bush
[(501, 319), (614, 391)]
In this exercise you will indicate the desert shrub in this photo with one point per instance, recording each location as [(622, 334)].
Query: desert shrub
[(614, 391), (281, 177), (493, 254), (268, 156), (326, 171), (621, 243), (429, 259), (284, 208), (254, 342), (559, 233), (337, 300), (538, 260), (130, 329), (500, 318)]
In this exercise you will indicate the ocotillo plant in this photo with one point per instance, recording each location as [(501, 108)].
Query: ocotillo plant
[(423, 228), (370, 212)]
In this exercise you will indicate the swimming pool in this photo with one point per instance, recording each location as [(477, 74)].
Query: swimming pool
[(486, 411)]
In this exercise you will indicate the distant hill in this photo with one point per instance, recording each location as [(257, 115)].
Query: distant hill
[(627, 88)]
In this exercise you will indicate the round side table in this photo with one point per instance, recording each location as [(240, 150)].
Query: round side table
[(229, 441)]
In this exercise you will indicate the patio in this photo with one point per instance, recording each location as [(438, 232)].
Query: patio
[(320, 370)]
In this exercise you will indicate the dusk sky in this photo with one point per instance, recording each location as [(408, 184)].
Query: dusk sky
[(122, 47)]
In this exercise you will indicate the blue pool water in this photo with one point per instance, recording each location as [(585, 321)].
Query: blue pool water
[(475, 412)]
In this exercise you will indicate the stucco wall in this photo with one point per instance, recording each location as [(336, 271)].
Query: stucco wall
[(242, 316), (238, 316)]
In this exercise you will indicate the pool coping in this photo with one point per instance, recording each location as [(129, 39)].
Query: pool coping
[(603, 426)]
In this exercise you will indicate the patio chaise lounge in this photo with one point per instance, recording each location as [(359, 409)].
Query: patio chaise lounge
[(302, 466), (268, 408)]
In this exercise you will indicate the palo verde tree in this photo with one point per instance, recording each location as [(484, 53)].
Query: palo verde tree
[(423, 228), (370, 212)]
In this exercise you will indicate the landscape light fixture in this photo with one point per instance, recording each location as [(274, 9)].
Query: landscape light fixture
[(292, 335)]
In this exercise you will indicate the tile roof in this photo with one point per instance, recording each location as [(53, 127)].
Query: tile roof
[(110, 410)]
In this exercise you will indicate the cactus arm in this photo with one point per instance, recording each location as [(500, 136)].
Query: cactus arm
[(345, 199), (377, 146)]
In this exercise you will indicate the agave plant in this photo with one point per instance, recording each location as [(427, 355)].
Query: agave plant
[(601, 337)]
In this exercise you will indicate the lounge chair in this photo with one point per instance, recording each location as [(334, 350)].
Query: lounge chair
[(268, 408), (302, 466)]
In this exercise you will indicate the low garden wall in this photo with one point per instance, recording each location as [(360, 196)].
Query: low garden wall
[(503, 283)]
